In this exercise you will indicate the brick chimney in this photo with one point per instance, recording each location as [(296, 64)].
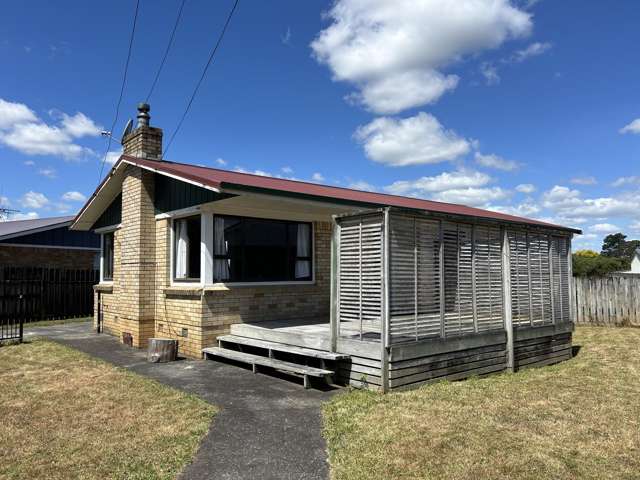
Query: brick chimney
[(144, 141), (136, 306)]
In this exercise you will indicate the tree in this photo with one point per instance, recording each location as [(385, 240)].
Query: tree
[(587, 253), (588, 265), (613, 245)]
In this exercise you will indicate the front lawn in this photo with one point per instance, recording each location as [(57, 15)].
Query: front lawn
[(65, 415), (579, 419)]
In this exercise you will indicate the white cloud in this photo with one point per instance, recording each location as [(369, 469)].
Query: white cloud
[(397, 92), (388, 49), (461, 186), (475, 197), (62, 208), (74, 196), (30, 163), (410, 141), (23, 131), (262, 173), (526, 188), (112, 157), (79, 125), (33, 199), (15, 113), (362, 185), (4, 201), (584, 181), (317, 177), (533, 50), (221, 161), (287, 170), (604, 228), (633, 127), (24, 216), (459, 179), (635, 226), (570, 205), (621, 181), (525, 209), (47, 172), (286, 38), (490, 73), (494, 161)]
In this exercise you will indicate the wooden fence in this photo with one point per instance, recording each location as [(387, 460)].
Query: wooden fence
[(613, 300), (30, 294)]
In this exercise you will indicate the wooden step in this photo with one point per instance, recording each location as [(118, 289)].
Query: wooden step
[(281, 347), (256, 360)]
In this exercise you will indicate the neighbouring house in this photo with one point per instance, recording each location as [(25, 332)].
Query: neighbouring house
[(372, 289), (47, 242), (635, 263)]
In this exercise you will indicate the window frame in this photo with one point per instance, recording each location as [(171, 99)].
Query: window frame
[(188, 282), (311, 258), (102, 232)]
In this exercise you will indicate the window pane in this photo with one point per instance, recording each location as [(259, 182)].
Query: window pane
[(258, 250), (187, 248), (107, 254)]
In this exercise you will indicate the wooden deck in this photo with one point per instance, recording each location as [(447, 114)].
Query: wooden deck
[(315, 333)]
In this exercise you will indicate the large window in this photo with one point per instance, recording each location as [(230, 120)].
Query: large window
[(107, 257), (258, 250), (186, 249)]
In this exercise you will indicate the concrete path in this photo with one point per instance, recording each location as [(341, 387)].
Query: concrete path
[(268, 427)]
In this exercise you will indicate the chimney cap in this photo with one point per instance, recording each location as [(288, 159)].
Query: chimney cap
[(143, 114)]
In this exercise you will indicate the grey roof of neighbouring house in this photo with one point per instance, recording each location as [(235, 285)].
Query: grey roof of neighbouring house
[(14, 228)]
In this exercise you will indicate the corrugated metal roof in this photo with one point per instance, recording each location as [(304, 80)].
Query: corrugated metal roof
[(224, 179), (15, 227)]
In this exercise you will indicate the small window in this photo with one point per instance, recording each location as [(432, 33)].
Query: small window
[(259, 250), (186, 249), (107, 256)]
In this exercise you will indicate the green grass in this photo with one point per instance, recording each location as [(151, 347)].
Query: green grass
[(65, 415), (576, 420), (48, 323)]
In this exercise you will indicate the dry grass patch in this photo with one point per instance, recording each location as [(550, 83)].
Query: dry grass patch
[(578, 420), (65, 415)]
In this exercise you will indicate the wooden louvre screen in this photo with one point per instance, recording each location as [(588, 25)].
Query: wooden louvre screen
[(360, 276), (445, 278), (539, 278), (561, 276)]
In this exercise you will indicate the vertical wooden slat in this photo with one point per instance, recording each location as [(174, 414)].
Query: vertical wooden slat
[(506, 295)]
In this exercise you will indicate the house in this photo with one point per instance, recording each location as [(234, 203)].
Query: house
[(47, 242), (374, 290), (635, 262)]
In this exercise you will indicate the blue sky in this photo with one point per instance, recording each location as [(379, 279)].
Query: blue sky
[(525, 107)]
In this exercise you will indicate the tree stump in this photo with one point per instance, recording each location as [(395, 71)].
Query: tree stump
[(162, 350)]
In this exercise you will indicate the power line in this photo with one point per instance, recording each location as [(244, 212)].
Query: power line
[(166, 52), (124, 81), (204, 72)]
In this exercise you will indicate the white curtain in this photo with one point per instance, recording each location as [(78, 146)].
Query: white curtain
[(182, 249), (303, 267), (220, 265)]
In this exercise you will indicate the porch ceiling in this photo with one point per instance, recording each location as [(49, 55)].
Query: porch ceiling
[(270, 206)]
